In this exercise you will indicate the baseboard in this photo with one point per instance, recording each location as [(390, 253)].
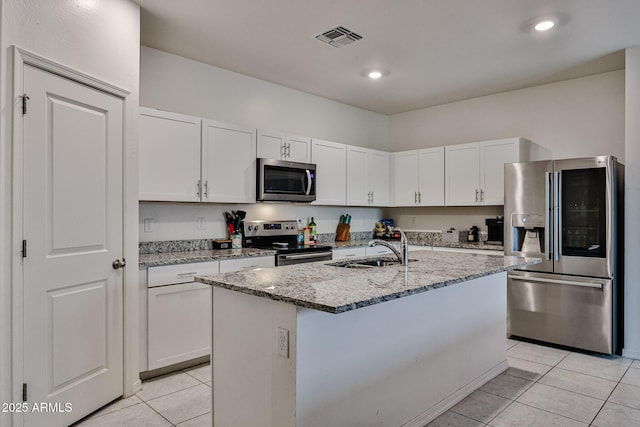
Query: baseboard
[(631, 353), (439, 408)]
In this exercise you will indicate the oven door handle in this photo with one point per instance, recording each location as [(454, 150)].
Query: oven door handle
[(308, 182), (306, 256)]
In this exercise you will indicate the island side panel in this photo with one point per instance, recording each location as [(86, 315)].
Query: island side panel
[(401, 362), (252, 384)]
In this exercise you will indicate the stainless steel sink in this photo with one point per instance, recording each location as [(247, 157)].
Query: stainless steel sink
[(368, 263)]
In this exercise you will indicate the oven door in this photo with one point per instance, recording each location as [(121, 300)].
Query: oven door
[(300, 257), (284, 181)]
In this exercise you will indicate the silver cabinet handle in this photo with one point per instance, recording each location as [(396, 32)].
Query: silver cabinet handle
[(249, 267), (191, 273), (556, 281), (304, 256), (206, 189), (289, 150), (419, 197), (372, 197), (198, 187), (415, 197), (481, 195), (283, 151), (476, 194), (116, 264)]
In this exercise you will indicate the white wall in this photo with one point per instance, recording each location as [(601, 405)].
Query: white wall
[(632, 205), (573, 118), (102, 39), (174, 83)]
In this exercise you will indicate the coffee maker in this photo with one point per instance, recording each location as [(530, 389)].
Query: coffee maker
[(495, 230)]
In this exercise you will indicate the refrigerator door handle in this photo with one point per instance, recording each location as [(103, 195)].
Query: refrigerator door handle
[(557, 240), (556, 281), (548, 215)]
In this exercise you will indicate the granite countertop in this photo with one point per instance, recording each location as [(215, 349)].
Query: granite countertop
[(466, 245), (183, 257), (324, 287)]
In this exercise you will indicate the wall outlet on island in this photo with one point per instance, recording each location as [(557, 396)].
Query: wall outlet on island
[(283, 342)]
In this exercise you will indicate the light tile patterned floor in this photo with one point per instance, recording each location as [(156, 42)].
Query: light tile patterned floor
[(181, 399), (543, 387), (549, 387)]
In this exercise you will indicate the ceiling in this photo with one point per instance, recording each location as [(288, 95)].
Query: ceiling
[(435, 51)]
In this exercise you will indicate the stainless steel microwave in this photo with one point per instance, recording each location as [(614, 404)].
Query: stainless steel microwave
[(284, 181)]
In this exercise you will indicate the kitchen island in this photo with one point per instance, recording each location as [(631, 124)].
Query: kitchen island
[(321, 344)]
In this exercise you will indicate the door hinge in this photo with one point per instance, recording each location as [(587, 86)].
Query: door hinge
[(24, 103), (24, 249), (24, 392)]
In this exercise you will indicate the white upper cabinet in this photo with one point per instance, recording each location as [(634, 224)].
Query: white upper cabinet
[(418, 177), (280, 146), (367, 177), (228, 162), (169, 156), (298, 148), (331, 172), (475, 172)]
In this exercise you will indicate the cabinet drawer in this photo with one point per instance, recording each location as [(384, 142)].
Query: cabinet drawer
[(378, 250), (182, 273), (229, 265), (349, 253)]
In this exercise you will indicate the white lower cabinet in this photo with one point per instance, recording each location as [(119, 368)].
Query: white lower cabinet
[(179, 323), (238, 264)]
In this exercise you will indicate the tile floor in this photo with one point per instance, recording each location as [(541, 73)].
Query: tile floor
[(549, 387), (543, 387)]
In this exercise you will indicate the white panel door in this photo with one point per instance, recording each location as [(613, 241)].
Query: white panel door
[(358, 191), (405, 178), (298, 148), (378, 177), (228, 163), (271, 145), (73, 225), (331, 170), (462, 174), (431, 192), (169, 156), (493, 156)]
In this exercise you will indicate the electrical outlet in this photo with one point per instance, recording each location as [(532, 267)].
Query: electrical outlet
[(148, 225), (413, 220), (283, 342), (200, 223)]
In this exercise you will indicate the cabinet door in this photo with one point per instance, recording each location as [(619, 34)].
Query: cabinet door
[(179, 323), (169, 156), (228, 162), (271, 145), (378, 177), (331, 171), (298, 148), (405, 178), (358, 191), (238, 264), (431, 171), (462, 174), (347, 253), (493, 156)]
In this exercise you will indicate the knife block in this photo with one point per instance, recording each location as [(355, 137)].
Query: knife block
[(343, 233)]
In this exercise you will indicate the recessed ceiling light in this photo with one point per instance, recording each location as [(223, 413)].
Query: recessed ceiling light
[(544, 25), (374, 74)]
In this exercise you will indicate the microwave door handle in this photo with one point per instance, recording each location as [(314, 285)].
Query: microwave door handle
[(308, 182), (557, 206)]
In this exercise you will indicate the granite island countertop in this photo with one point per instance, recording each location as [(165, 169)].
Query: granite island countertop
[(322, 286)]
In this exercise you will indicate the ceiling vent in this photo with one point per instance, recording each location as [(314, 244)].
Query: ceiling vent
[(339, 37)]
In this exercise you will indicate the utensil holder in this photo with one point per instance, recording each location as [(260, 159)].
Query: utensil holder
[(343, 233)]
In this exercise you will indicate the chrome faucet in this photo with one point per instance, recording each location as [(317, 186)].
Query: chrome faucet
[(403, 254)]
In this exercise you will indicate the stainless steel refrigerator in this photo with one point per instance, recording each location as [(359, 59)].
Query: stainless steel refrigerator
[(569, 213)]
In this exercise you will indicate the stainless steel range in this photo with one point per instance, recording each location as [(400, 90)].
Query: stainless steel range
[(283, 237)]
